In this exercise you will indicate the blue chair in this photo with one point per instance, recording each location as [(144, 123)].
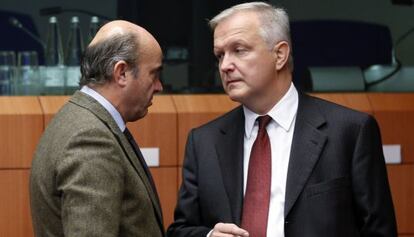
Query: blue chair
[(14, 38), (337, 43)]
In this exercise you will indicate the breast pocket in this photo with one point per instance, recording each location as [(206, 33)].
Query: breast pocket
[(328, 186)]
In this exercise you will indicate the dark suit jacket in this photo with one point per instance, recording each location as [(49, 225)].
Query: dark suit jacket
[(336, 185), (86, 179)]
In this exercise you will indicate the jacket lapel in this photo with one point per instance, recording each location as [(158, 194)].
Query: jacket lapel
[(307, 144), (92, 105), (229, 149), (132, 157)]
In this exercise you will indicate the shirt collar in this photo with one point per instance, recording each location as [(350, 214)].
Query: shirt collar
[(107, 105), (283, 113)]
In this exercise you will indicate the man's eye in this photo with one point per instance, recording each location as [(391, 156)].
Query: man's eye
[(240, 50)]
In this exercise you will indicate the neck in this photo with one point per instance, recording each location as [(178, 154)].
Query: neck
[(106, 90), (269, 98)]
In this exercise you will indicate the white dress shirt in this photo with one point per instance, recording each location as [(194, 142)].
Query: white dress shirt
[(280, 131), (107, 105)]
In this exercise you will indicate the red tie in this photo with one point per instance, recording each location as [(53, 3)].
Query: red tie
[(257, 198)]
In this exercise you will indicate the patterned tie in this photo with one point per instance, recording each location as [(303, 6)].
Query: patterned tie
[(257, 198)]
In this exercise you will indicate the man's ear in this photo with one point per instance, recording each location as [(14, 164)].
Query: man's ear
[(281, 52), (119, 73)]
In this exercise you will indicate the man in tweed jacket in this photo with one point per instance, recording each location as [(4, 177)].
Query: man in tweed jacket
[(87, 177)]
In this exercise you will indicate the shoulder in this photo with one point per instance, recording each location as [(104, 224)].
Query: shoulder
[(223, 122), (74, 117), (71, 124), (331, 111)]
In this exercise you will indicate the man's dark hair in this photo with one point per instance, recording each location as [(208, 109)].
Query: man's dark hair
[(99, 59)]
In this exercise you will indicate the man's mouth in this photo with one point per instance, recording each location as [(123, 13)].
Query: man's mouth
[(232, 81)]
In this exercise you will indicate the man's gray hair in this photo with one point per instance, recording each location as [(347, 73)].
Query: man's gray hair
[(274, 22), (99, 59)]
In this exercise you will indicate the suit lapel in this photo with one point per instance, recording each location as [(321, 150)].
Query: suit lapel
[(134, 159), (229, 149), (307, 144), (92, 105)]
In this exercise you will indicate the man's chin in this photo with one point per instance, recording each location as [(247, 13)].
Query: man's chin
[(139, 115), (143, 113), (236, 95)]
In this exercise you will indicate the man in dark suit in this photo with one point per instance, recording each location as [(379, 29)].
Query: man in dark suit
[(283, 163), (88, 176)]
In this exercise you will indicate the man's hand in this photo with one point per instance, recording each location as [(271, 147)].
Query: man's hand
[(228, 230)]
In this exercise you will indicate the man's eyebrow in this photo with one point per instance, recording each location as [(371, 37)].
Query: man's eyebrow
[(158, 69)]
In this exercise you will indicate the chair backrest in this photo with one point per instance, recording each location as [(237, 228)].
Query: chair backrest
[(16, 39), (332, 43)]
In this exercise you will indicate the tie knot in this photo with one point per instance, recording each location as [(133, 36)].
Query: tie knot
[(263, 121)]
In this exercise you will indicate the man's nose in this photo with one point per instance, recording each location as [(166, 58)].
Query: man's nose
[(227, 63), (158, 86)]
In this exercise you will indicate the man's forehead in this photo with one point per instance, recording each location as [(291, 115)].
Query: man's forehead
[(230, 35), (234, 34)]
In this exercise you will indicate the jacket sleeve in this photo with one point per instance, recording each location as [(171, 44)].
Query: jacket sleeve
[(372, 195), (187, 216), (90, 181)]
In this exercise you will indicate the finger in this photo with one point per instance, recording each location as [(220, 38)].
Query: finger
[(221, 234), (229, 228)]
